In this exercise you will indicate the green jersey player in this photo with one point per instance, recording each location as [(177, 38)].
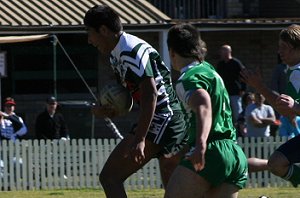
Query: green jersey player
[(160, 131), (283, 161), (215, 166)]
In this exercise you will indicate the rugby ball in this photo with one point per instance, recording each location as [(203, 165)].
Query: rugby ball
[(118, 97)]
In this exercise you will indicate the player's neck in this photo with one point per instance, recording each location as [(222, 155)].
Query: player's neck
[(183, 62), (115, 39)]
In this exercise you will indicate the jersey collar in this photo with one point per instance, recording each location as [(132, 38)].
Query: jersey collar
[(184, 69), (294, 67)]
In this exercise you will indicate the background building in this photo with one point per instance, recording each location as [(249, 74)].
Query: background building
[(39, 68)]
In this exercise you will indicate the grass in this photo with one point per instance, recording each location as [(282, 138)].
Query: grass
[(149, 193)]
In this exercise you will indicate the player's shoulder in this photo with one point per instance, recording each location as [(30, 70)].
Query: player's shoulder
[(130, 41)]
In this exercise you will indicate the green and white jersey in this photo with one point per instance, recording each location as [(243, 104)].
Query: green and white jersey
[(200, 76), (293, 86), (133, 59)]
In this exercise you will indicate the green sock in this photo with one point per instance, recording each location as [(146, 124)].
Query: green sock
[(293, 175)]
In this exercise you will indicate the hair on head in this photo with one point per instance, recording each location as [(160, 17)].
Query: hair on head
[(185, 40), (291, 35), (103, 15)]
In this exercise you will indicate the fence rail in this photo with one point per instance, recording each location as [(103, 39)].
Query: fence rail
[(33, 164)]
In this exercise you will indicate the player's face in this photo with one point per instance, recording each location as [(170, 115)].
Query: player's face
[(173, 59), (98, 40), (288, 54)]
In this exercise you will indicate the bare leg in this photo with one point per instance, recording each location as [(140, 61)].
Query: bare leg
[(186, 183), (168, 164), (257, 164), (119, 167), (278, 164), (225, 190)]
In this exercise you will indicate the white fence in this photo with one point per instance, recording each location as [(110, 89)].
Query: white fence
[(34, 164)]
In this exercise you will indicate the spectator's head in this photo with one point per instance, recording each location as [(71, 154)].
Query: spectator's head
[(247, 98), (9, 105), (289, 45), (51, 104), (259, 99), (225, 52), (184, 41)]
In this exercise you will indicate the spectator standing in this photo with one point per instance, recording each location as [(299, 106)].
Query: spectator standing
[(279, 83), (51, 124), (259, 117), (229, 69), (279, 77), (12, 126), (247, 99), (289, 128)]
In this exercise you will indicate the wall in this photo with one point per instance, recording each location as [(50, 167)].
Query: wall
[(254, 48)]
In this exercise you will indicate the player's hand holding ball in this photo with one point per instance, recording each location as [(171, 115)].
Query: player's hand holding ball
[(103, 111), (115, 101)]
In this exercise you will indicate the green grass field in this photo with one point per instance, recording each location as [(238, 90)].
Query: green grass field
[(151, 193)]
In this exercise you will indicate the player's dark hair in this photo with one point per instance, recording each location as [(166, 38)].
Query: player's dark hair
[(291, 35), (185, 40), (103, 15)]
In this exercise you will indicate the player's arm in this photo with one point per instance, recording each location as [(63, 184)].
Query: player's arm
[(200, 103), (148, 98), (287, 105), (254, 79)]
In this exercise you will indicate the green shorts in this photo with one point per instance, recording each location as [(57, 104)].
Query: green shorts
[(169, 131), (225, 162)]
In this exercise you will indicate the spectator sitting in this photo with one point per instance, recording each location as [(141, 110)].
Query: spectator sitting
[(51, 124)]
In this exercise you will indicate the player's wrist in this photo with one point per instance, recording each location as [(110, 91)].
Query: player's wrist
[(296, 107)]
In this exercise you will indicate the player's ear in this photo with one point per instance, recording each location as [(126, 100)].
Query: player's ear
[(103, 29), (171, 53)]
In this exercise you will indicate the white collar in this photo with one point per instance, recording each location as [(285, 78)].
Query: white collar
[(294, 67), (182, 70)]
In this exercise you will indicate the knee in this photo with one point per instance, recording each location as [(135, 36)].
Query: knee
[(106, 179), (278, 164)]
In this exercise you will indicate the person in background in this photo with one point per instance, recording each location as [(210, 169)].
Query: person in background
[(247, 99), (287, 128), (279, 83), (12, 126), (51, 124), (279, 77), (259, 117), (229, 69)]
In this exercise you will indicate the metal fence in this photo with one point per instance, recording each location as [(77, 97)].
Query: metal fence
[(191, 9), (33, 164)]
